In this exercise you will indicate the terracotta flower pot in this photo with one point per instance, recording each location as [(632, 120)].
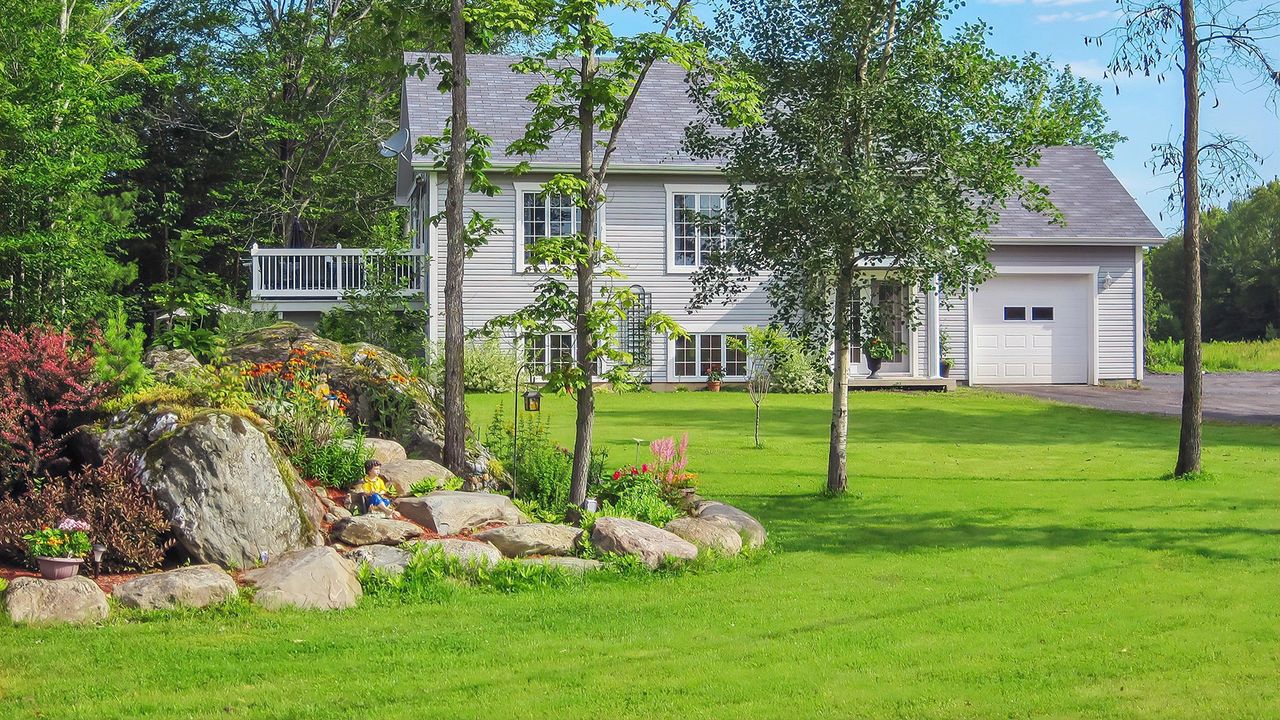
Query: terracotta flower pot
[(713, 385), (58, 568)]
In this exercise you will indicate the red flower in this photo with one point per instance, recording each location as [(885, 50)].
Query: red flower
[(617, 474), (644, 468), (634, 470)]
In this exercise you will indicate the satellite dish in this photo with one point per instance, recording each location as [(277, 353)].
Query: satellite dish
[(394, 145)]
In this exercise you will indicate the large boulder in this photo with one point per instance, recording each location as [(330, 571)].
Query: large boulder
[(381, 558), (632, 537), (374, 379), (402, 475), (571, 565), (470, 552), (385, 451), (195, 586), (227, 490), (373, 530), (166, 364), (533, 539), (446, 512), (747, 526), (316, 578), (45, 602), (707, 533)]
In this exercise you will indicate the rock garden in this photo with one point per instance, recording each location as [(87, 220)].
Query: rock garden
[(240, 480)]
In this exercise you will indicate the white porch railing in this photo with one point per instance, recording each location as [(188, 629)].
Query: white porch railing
[(328, 273)]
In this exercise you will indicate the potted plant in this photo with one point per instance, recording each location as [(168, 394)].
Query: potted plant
[(715, 376), (944, 350), (59, 551), (878, 350)]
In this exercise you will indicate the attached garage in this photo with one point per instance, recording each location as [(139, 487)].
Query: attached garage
[(1033, 328)]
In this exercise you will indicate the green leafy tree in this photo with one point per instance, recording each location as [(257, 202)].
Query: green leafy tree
[(765, 348), (884, 143), (1239, 268), (64, 83), (1203, 42), (590, 97)]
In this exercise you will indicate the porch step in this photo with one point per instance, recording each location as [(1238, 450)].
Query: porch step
[(903, 383)]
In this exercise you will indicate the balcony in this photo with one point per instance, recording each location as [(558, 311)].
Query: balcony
[(323, 276)]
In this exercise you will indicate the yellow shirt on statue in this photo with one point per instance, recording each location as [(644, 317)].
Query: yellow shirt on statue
[(374, 484)]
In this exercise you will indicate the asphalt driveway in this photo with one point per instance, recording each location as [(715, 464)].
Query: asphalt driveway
[(1237, 397)]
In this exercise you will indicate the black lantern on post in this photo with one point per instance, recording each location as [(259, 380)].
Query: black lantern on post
[(532, 403), (532, 400)]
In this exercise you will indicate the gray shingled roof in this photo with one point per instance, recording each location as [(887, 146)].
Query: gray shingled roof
[(1095, 204), (1090, 197), (496, 106)]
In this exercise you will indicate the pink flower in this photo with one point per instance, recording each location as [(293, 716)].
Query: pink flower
[(73, 525), (644, 468)]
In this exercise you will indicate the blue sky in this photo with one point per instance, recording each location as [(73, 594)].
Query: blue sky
[(1145, 111)]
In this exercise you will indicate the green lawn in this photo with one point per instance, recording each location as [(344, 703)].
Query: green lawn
[(1165, 356), (997, 557)]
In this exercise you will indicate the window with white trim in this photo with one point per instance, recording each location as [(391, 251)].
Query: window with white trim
[(696, 354), (686, 358), (551, 352), (699, 227), (545, 216)]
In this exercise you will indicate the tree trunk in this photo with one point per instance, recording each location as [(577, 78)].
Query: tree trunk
[(455, 409), (1192, 379), (757, 425), (584, 343), (837, 467)]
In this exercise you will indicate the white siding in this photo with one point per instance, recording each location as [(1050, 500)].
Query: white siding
[(953, 319), (635, 223), (1116, 316)]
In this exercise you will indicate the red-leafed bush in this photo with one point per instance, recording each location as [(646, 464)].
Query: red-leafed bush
[(122, 514), (47, 389)]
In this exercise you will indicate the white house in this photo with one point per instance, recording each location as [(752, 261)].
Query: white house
[(1065, 305)]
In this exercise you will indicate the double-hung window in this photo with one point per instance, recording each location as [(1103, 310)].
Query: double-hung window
[(546, 216), (551, 352), (699, 226), (697, 354)]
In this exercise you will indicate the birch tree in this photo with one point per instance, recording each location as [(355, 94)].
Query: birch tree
[(1204, 42)]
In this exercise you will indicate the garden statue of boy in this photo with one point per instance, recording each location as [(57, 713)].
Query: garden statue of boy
[(377, 495)]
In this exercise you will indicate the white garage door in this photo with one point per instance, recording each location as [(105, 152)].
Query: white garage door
[(1032, 329)]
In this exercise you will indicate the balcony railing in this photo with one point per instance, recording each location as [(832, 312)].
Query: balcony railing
[(329, 273)]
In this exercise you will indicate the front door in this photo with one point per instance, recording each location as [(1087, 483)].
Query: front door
[(892, 297)]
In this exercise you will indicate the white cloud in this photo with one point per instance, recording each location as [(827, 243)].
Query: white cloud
[(1062, 3), (1070, 16), (1005, 2)]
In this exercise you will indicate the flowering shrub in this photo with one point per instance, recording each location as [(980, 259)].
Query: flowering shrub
[(297, 396), (669, 462), (124, 515), (69, 540), (47, 389), (634, 492)]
